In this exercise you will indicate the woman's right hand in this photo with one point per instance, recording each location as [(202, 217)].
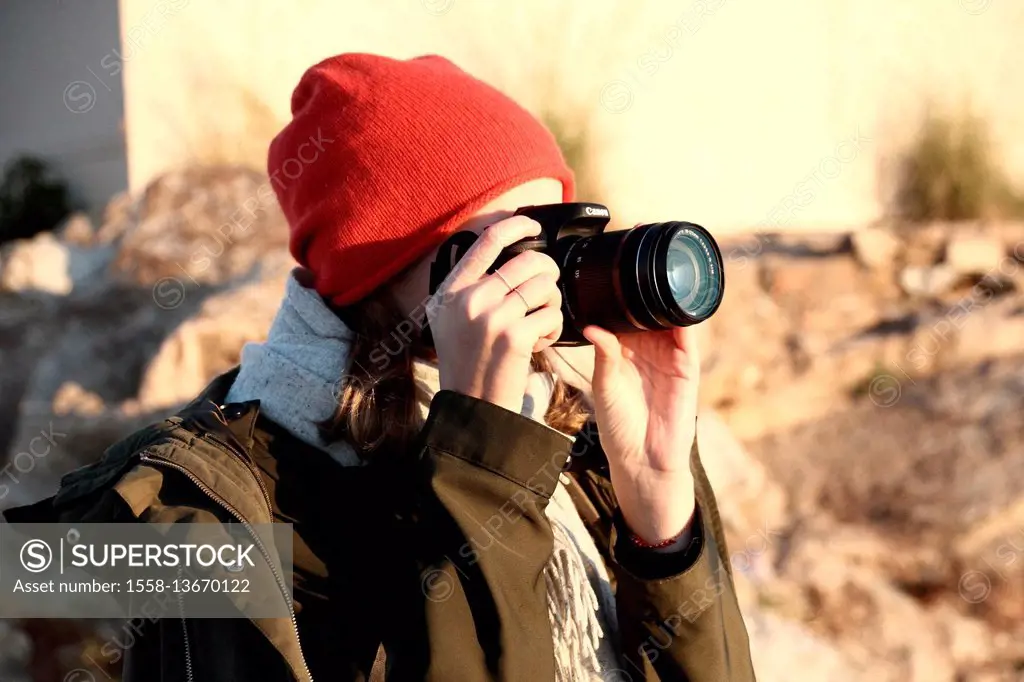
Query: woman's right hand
[(486, 327)]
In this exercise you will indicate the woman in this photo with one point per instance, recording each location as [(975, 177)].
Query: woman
[(447, 524)]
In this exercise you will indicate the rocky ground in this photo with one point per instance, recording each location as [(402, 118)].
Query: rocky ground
[(877, 383), (863, 424)]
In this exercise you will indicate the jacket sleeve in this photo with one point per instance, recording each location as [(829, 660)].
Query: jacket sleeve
[(474, 605), (678, 613)]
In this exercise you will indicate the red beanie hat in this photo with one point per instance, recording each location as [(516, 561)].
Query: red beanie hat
[(384, 158)]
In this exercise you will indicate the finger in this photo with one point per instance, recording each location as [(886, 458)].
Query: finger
[(606, 344), (526, 333), (607, 353), (544, 343), (481, 256), (513, 274), (527, 265), (541, 290), (547, 324), (532, 294), (553, 334), (685, 338)]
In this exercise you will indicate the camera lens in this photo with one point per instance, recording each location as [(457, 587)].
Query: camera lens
[(682, 274), (651, 277), (690, 272)]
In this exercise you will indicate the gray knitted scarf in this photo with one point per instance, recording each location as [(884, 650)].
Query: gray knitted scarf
[(296, 375)]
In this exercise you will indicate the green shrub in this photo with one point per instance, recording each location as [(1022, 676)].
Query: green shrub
[(951, 173), (32, 199)]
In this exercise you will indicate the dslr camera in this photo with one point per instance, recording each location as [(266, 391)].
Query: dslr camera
[(651, 277)]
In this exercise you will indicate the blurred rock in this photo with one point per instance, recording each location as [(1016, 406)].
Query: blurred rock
[(987, 331), (909, 503), (72, 398), (852, 604), (210, 342), (798, 334), (26, 320), (88, 265), (756, 507), (926, 244), (742, 341), (197, 227), (930, 281), (875, 247), (959, 443), (991, 553), (101, 339), (120, 214), (974, 255), (808, 244), (77, 229), (40, 264), (784, 651)]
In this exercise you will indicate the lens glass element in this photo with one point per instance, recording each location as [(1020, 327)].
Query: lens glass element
[(689, 267)]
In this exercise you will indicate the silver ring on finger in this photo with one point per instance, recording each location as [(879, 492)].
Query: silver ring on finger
[(505, 281), (523, 299)]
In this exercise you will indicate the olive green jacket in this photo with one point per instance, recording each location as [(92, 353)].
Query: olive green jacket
[(422, 607)]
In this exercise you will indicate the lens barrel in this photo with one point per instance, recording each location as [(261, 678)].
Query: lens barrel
[(652, 277)]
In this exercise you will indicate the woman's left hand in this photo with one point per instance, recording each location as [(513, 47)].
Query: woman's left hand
[(645, 399)]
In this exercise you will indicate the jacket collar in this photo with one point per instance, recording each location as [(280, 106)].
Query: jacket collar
[(235, 421)]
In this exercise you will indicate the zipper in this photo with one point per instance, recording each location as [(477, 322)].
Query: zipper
[(246, 460), (160, 461), (248, 465), (184, 634)]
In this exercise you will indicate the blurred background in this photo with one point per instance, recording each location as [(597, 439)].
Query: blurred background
[(861, 161)]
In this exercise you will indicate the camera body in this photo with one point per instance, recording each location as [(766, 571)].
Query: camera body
[(651, 277), (561, 225)]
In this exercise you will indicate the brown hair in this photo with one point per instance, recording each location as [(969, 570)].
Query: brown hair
[(377, 400)]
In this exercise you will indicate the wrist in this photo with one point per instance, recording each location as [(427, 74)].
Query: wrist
[(657, 514), (496, 390), (659, 563), (655, 531), (668, 546)]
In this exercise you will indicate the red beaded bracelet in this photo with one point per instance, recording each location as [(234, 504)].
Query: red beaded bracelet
[(640, 542)]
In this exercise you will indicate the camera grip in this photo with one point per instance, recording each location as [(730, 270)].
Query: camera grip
[(513, 250)]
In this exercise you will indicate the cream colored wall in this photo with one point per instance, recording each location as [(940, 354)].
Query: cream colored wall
[(733, 113)]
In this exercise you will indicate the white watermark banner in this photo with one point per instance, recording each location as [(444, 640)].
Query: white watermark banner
[(133, 570)]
